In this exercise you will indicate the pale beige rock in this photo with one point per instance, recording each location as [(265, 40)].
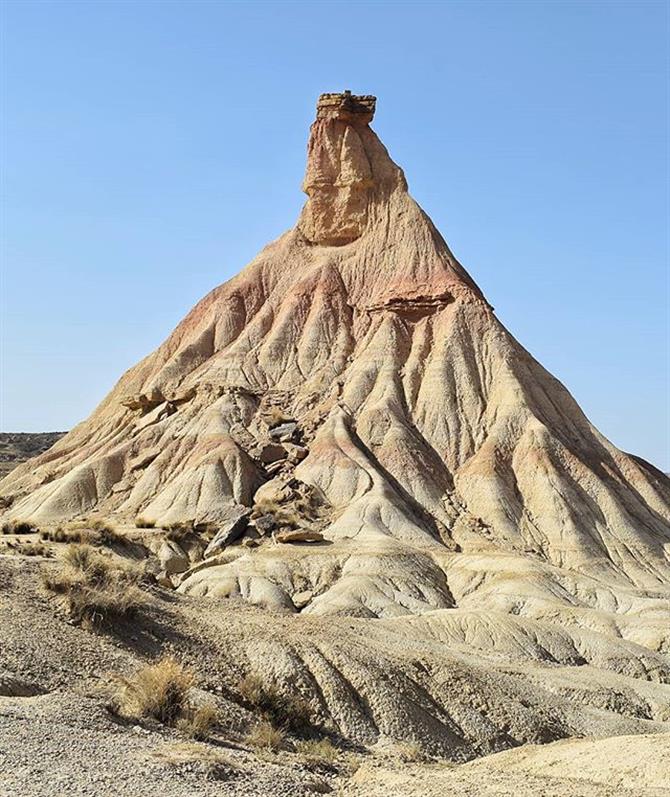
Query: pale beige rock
[(298, 535), (452, 469), (172, 558)]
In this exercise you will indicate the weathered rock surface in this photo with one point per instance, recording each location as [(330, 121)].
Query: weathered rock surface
[(299, 535), (514, 561)]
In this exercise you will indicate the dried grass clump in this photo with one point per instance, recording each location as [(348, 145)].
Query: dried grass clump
[(198, 723), (98, 590), (179, 532), (66, 535), (264, 736), (321, 752), (27, 549), (19, 527), (33, 549), (96, 532), (410, 752), (283, 711), (106, 534), (143, 523), (159, 691), (293, 513)]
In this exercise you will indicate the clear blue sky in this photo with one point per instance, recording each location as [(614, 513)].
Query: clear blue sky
[(151, 148)]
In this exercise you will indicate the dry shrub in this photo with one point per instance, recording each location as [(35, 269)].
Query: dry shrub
[(97, 589), (410, 752), (264, 736), (100, 608), (66, 535), (179, 532), (33, 549), (106, 534), (159, 691), (198, 723), (143, 523), (320, 752), (27, 549), (283, 711), (96, 532), (19, 527)]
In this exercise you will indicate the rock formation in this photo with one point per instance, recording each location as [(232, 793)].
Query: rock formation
[(352, 393)]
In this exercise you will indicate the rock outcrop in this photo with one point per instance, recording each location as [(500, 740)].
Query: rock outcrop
[(355, 363)]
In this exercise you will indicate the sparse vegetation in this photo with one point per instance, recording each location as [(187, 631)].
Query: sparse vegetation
[(97, 589), (143, 523), (283, 711), (264, 736), (27, 548), (19, 527), (178, 532), (96, 532), (410, 752), (198, 723), (66, 535), (159, 691), (321, 752)]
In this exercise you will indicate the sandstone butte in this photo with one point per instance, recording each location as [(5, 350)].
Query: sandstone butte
[(352, 393)]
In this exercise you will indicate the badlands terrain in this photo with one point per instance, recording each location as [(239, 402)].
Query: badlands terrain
[(17, 447), (339, 533)]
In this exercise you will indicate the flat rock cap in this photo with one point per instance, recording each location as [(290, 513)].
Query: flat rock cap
[(347, 107)]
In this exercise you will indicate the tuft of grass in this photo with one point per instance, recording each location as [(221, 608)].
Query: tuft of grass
[(67, 535), (98, 590), (100, 608), (95, 533), (143, 523), (198, 723), (159, 691), (26, 549), (264, 736), (179, 532), (321, 752), (106, 534), (19, 527), (284, 711), (33, 549), (410, 752)]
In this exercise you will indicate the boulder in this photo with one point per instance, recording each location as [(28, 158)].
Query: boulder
[(230, 530), (301, 599), (298, 535), (264, 524), (276, 491), (172, 558), (272, 453), (295, 452), (284, 432)]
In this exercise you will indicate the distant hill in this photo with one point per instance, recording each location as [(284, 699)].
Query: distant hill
[(17, 447)]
